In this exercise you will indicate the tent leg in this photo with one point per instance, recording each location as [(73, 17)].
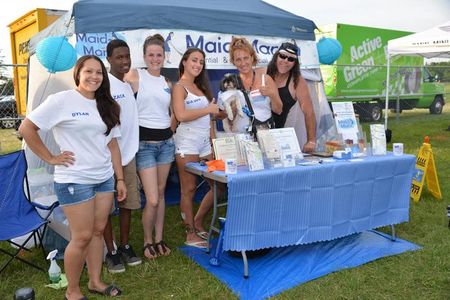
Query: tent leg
[(393, 235), (245, 260), (387, 92)]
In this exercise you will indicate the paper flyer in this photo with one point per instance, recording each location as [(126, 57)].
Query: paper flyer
[(378, 136), (345, 119)]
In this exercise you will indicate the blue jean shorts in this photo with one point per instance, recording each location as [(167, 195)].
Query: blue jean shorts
[(76, 193), (153, 153)]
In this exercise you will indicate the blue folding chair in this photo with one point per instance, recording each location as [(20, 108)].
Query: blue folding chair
[(18, 215)]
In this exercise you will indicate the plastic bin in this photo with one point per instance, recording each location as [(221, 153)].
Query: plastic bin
[(40, 182)]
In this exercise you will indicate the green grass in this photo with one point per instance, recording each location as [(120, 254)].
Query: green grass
[(423, 274), (9, 141)]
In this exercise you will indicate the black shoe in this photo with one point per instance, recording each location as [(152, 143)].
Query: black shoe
[(128, 256), (113, 262)]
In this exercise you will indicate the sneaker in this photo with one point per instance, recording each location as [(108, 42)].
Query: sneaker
[(113, 262), (128, 256)]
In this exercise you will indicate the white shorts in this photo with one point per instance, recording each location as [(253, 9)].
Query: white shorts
[(193, 141)]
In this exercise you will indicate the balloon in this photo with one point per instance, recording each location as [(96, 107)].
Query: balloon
[(329, 50), (56, 54)]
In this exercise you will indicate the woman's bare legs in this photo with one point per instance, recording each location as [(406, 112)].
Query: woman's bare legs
[(163, 173), (149, 180), (188, 183), (81, 225), (94, 258)]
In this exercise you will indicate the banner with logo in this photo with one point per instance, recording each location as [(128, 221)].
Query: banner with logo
[(215, 45)]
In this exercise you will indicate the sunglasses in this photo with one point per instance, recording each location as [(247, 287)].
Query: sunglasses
[(284, 57)]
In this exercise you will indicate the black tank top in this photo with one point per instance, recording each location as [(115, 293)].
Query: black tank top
[(288, 102)]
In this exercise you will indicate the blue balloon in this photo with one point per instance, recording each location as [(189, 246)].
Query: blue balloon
[(329, 50), (56, 54)]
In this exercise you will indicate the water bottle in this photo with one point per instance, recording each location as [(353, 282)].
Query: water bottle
[(54, 271)]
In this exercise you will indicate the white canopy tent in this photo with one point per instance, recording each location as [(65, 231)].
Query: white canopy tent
[(431, 43)]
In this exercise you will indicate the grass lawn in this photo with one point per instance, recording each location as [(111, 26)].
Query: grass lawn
[(423, 274)]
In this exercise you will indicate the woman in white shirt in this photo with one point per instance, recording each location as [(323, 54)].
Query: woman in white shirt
[(84, 123), (193, 105), (156, 147)]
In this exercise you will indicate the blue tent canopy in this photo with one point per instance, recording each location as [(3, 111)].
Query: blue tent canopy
[(244, 17)]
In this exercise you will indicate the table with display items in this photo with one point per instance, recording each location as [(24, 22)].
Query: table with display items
[(305, 204)]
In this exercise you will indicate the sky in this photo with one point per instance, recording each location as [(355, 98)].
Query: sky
[(408, 15)]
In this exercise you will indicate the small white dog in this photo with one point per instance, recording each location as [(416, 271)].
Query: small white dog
[(233, 101)]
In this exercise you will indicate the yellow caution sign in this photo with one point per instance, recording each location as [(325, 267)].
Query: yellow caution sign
[(425, 168)]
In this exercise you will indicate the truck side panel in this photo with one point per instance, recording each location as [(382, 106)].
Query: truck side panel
[(21, 30)]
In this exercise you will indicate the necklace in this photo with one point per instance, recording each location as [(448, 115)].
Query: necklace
[(253, 82)]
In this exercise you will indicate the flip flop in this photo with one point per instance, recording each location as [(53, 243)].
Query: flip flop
[(107, 291), (202, 234), (198, 244)]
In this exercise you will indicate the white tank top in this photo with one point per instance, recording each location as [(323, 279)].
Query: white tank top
[(196, 102), (153, 101)]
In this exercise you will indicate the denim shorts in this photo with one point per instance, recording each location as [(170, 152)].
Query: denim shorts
[(153, 153), (76, 193)]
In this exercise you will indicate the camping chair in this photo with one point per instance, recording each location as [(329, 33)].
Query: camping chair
[(18, 215)]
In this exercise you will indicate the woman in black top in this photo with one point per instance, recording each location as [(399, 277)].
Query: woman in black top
[(284, 68)]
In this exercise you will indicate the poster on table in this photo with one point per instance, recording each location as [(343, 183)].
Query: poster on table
[(345, 119)]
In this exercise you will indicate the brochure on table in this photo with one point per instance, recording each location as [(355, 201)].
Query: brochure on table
[(378, 137), (345, 119), (254, 156), (287, 140), (225, 148)]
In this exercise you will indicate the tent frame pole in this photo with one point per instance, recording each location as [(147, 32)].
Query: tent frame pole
[(387, 91)]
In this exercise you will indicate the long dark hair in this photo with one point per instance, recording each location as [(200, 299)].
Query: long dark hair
[(107, 107), (201, 81), (272, 70)]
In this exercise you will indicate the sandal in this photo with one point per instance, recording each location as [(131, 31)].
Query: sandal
[(197, 244), (162, 248), (151, 249), (108, 291), (202, 234)]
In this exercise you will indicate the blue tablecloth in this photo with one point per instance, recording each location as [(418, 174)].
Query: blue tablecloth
[(305, 204)]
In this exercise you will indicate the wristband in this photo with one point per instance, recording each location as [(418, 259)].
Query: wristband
[(309, 142), (120, 179)]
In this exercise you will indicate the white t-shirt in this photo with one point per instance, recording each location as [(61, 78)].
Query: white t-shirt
[(153, 101), (77, 126), (129, 128), (193, 101)]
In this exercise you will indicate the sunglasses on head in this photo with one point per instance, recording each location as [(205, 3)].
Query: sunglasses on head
[(284, 57)]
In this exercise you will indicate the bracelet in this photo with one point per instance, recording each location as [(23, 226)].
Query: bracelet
[(309, 142), (120, 179)]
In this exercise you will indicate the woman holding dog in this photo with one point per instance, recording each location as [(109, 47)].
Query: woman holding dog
[(261, 89), (156, 146), (193, 106), (284, 68)]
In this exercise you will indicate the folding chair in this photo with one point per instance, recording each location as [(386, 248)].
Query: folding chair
[(18, 215)]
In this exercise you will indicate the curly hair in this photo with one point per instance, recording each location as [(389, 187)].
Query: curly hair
[(240, 43)]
